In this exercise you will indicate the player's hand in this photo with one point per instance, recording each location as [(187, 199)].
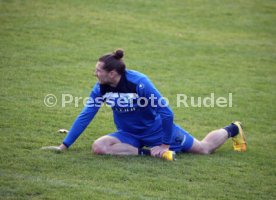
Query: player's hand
[(60, 148), (157, 151)]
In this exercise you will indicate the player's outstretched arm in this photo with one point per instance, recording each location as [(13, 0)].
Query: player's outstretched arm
[(59, 148)]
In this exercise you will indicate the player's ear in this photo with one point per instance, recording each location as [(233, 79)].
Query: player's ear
[(112, 73)]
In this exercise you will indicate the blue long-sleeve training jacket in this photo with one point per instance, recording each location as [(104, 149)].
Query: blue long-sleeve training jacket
[(138, 108)]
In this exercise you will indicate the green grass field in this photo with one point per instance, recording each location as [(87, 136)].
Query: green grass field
[(186, 47)]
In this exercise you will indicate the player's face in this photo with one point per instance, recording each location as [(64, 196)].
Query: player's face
[(101, 74)]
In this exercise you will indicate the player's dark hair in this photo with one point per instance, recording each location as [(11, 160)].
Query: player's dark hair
[(113, 61)]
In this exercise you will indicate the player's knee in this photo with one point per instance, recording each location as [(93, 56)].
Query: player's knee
[(98, 148), (205, 151), (204, 148)]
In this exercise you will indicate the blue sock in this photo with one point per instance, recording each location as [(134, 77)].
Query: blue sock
[(232, 130)]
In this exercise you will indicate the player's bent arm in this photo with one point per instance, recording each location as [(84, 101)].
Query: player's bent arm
[(148, 90)]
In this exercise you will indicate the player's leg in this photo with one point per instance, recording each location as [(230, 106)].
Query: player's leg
[(122, 143), (210, 143), (218, 137), (116, 144)]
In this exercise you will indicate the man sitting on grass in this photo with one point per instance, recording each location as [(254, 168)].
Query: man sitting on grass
[(142, 117)]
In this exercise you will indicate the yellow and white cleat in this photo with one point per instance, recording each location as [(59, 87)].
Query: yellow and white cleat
[(239, 141), (168, 155)]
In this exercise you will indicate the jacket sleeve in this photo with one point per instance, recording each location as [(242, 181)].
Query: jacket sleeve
[(157, 102), (85, 117)]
